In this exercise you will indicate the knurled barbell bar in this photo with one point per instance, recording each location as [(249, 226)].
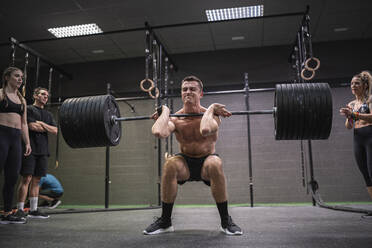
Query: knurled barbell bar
[(301, 112)]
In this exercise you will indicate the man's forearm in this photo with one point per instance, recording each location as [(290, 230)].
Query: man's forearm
[(36, 127), (163, 127), (208, 124), (48, 128)]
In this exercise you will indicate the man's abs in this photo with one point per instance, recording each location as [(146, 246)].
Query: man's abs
[(197, 149)]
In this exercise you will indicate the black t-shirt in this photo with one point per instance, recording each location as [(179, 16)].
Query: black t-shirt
[(39, 140)]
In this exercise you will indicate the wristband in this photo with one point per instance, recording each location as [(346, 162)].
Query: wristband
[(355, 115)]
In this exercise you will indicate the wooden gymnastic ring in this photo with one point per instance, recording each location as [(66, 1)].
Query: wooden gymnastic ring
[(149, 88), (307, 78), (317, 64), (157, 93)]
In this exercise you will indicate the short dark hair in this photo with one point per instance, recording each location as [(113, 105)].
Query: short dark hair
[(38, 89), (193, 78)]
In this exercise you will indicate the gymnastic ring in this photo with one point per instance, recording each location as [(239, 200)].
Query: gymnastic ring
[(157, 93), (149, 88), (317, 64), (307, 78)]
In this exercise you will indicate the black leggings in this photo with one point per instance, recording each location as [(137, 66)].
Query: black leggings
[(363, 152), (10, 161)]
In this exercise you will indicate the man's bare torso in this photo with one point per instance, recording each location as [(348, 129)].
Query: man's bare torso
[(191, 142)]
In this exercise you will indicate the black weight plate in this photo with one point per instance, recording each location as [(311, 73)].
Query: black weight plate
[(307, 111), (302, 110), (88, 137), (311, 110), (94, 110), (101, 121), (279, 112), (91, 140), (327, 112), (286, 108), (65, 120), (77, 123), (322, 111), (298, 111), (113, 130), (287, 94), (318, 112), (276, 113), (295, 102), (74, 131)]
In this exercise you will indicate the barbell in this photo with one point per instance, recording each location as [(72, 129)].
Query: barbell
[(301, 112)]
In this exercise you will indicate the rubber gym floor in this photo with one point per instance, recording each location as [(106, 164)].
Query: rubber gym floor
[(263, 227)]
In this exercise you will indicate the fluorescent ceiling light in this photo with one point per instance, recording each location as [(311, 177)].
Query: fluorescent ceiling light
[(340, 29), (238, 38), (98, 51), (234, 13), (83, 29)]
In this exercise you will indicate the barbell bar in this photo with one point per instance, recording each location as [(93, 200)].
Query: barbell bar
[(301, 112), (249, 112)]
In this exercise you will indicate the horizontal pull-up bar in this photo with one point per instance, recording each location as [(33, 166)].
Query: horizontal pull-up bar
[(36, 54), (167, 26)]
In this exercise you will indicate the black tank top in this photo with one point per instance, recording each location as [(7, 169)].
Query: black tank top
[(7, 106)]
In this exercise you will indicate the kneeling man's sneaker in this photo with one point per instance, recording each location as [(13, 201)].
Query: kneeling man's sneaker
[(230, 228), (54, 204), (159, 226)]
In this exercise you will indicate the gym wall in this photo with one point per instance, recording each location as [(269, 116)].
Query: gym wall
[(277, 168)]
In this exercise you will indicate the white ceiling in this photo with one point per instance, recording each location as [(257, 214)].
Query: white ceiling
[(28, 20)]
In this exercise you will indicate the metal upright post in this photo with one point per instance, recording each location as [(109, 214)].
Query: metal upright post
[(246, 96), (12, 55), (37, 72), (107, 173), (166, 95), (158, 104), (171, 82)]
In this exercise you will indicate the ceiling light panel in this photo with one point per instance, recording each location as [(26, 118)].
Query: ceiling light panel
[(77, 30), (234, 13)]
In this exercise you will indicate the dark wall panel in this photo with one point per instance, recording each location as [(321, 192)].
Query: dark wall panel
[(277, 166)]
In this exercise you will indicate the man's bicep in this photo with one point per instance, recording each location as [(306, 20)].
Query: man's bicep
[(217, 119), (171, 126)]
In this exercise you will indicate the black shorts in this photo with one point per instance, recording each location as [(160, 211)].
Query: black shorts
[(50, 193), (36, 165), (195, 165)]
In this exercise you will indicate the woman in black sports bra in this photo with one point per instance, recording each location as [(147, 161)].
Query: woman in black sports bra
[(13, 128), (358, 115)]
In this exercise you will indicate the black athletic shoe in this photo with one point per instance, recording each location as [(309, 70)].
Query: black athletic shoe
[(230, 228), (20, 213), (54, 204), (12, 219), (37, 214), (159, 226)]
